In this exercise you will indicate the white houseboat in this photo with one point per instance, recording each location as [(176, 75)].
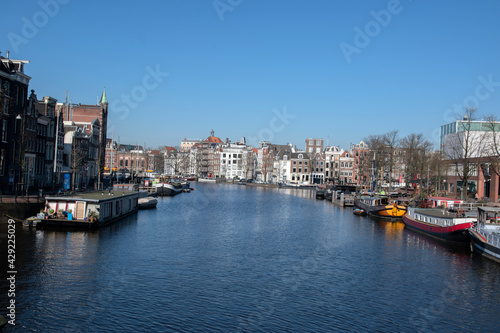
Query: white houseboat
[(89, 210)]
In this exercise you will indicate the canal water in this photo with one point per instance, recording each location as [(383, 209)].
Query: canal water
[(229, 258)]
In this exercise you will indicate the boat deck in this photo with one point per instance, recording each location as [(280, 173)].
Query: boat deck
[(440, 213)]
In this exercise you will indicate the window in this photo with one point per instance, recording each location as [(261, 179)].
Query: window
[(4, 131), (7, 88), (2, 162), (294, 170), (6, 106)]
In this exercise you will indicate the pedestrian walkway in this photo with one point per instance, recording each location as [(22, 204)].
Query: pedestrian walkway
[(21, 199)]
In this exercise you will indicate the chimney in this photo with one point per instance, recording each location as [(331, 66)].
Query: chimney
[(8, 52)]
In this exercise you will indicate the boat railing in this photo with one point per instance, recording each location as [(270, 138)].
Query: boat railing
[(493, 239), (467, 206)]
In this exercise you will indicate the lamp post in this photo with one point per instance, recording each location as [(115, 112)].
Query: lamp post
[(22, 151)]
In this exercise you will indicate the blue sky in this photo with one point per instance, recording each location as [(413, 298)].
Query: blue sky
[(267, 70)]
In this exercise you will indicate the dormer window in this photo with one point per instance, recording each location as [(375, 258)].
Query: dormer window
[(300, 156)]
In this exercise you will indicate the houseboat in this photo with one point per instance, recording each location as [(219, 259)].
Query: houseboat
[(383, 207), (485, 235), (207, 180), (168, 189), (440, 223), (89, 210)]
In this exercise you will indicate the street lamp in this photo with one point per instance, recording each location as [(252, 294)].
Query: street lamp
[(21, 151)]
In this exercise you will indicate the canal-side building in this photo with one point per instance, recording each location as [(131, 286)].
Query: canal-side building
[(155, 162), (236, 160), (111, 157), (362, 165), (86, 113), (300, 172), (171, 161), (482, 141), (16, 125), (346, 170), (332, 164), (54, 142), (282, 163)]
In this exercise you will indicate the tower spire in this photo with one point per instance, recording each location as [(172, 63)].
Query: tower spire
[(104, 98)]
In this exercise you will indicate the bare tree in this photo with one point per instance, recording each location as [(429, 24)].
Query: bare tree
[(464, 147), (391, 142), (416, 149), (376, 145)]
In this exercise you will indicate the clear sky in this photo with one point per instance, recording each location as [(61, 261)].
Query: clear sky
[(281, 70)]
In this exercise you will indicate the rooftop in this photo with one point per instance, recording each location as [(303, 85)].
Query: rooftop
[(93, 196)]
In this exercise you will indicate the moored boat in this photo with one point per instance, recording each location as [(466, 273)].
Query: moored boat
[(89, 210), (320, 193), (147, 203), (359, 212), (485, 235), (168, 189), (440, 223), (207, 180), (381, 207)]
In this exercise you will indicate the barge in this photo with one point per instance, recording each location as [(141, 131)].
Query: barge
[(440, 223)]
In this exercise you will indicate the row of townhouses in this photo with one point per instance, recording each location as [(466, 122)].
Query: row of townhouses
[(316, 164), (45, 144)]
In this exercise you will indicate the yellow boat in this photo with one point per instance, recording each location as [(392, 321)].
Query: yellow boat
[(381, 206)]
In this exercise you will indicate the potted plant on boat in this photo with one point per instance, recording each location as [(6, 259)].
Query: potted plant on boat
[(93, 216)]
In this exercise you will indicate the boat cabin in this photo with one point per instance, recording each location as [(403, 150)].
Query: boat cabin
[(100, 208)]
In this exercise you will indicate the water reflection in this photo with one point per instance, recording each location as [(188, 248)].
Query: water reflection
[(228, 258)]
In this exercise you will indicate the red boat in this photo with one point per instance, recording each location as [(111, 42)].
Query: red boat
[(440, 223)]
